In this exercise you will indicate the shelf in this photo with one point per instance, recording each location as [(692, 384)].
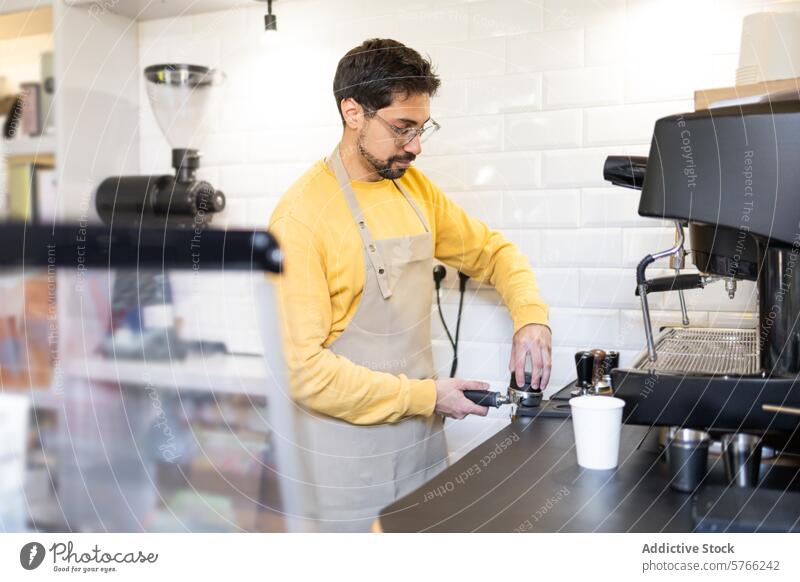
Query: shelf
[(45, 399), (149, 10), (217, 374), (11, 6), (46, 516), (44, 145), (41, 397)]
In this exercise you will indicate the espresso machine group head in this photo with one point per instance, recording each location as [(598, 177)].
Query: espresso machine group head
[(730, 177)]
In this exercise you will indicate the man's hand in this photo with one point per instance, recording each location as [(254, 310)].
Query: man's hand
[(451, 402), (536, 340)]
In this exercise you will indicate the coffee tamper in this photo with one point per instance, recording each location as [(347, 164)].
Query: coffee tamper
[(601, 373), (610, 363), (597, 367), (584, 366)]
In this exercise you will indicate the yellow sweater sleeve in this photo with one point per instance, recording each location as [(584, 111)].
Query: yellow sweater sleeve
[(487, 256), (320, 379)]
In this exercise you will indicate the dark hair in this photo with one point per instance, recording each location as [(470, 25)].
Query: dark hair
[(379, 69)]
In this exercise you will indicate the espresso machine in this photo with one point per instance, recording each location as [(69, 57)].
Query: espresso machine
[(730, 178)]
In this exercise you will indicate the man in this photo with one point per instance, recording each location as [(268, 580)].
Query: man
[(359, 231)]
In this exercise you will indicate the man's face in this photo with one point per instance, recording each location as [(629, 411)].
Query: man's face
[(379, 145)]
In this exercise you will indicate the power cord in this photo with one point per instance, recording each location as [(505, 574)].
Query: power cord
[(439, 273)]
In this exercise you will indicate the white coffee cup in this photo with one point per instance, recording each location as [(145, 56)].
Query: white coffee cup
[(597, 423)]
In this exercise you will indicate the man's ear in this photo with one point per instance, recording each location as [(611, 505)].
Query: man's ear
[(352, 113)]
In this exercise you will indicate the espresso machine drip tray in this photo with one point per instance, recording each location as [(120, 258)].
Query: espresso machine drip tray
[(704, 351), (706, 378)]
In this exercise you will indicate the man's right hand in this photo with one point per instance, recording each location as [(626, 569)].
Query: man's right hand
[(452, 403)]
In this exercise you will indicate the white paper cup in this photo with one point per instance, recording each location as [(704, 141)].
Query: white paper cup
[(597, 422)]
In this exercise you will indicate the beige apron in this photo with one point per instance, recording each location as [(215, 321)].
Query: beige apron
[(354, 471)]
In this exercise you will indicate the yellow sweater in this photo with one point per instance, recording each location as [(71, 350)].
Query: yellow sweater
[(323, 280)]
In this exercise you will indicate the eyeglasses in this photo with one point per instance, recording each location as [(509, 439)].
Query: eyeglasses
[(405, 135)]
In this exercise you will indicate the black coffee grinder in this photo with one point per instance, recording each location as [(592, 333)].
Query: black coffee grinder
[(143, 324), (179, 95)]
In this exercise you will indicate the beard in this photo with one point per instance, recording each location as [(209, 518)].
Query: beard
[(384, 169)]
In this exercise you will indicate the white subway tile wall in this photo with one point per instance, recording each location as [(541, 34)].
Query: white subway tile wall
[(535, 94)]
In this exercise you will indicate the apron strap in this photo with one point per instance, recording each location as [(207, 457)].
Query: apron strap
[(373, 255), (413, 205)]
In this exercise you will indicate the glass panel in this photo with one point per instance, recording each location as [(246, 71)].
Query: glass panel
[(148, 397)]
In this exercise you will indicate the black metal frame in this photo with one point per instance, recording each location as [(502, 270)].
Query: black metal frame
[(80, 246)]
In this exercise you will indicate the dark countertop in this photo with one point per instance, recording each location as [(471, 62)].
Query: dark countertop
[(526, 478)]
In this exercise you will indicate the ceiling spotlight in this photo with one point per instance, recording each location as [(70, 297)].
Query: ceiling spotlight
[(270, 20)]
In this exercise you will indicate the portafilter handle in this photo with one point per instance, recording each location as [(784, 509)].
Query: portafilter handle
[(484, 398)]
